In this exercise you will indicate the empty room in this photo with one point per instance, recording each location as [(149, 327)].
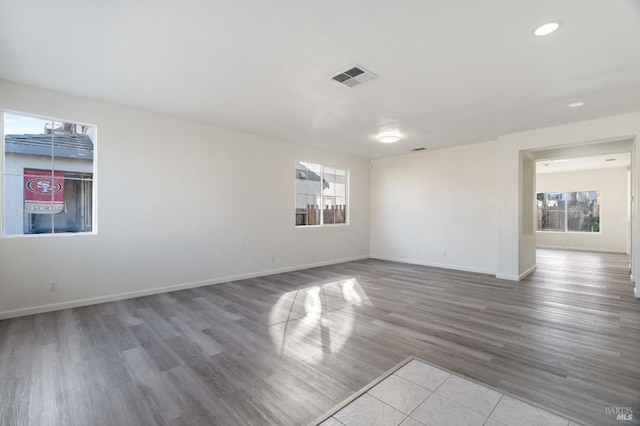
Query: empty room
[(294, 213)]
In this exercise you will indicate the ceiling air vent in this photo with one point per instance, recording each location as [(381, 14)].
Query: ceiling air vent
[(354, 76), (418, 149)]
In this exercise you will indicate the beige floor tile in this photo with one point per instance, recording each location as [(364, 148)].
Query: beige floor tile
[(411, 422), (472, 395), (439, 411), (369, 411), (423, 374), (330, 422), (400, 393), (511, 411)]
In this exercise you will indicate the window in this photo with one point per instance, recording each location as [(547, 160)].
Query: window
[(48, 176), (321, 195), (569, 211)]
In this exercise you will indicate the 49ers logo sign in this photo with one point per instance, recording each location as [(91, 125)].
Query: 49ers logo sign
[(44, 186), (43, 192)]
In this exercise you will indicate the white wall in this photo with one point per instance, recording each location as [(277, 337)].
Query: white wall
[(179, 204), (425, 204), (613, 187)]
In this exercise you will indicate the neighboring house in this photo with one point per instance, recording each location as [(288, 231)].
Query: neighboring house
[(307, 186), (49, 181)]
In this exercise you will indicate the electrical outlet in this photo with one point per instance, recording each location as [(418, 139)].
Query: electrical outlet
[(444, 254), (273, 259), (53, 286)]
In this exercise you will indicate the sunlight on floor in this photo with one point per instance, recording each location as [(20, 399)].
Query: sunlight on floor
[(308, 323)]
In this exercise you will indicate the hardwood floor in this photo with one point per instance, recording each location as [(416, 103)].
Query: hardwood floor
[(286, 348)]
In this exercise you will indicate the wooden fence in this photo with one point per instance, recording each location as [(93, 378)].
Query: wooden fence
[(577, 220), (551, 219), (330, 215)]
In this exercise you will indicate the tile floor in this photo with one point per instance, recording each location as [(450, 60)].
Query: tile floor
[(420, 394)]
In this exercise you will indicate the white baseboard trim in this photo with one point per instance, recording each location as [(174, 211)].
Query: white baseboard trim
[(596, 250), (517, 277), (508, 277), (527, 272), (13, 313), (434, 265)]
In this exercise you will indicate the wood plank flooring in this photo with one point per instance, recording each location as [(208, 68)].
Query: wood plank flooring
[(284, 349)]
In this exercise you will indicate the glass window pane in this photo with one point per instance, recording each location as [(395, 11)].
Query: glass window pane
[(308, 178), (48, 176), (583, 211), (328, 210), (329, 182), (341, 211), (73, 147), (551, 211), (27, 211), (307, 210), (26, 144), (313, 210), (77, 214), (308, 193), (19, 124)]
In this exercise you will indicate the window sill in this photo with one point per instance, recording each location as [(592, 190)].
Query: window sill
[(61, 234), (334, 225), (569, 232)]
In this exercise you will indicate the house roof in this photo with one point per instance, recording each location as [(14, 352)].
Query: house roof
[(304, 173), (78, 146)]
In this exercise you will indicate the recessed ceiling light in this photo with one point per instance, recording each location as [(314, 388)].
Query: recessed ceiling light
[(546, 29), (388, 137), (575, 104)]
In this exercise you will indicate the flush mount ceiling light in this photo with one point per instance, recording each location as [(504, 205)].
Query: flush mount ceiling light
[(546, 29), (388, 137), (575, 104)]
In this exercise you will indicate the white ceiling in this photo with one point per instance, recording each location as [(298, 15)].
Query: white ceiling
[(450, 72), (594, 162)]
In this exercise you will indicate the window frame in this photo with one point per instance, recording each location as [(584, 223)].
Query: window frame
[(322, 196), (3, 174), (566, 213)]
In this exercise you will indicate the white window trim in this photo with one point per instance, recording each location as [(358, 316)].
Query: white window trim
[(566, 219), (347, 197)]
